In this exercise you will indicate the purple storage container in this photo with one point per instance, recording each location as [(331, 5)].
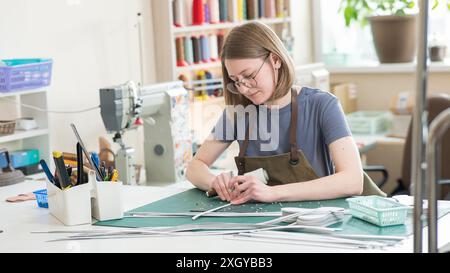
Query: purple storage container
[(21, 74)]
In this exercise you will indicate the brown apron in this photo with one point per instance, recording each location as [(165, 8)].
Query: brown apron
[(289, 167)]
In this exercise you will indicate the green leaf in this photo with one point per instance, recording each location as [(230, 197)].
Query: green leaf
[(348, 15), (436, 3), (381, 7), (364, 22), (400, 12)]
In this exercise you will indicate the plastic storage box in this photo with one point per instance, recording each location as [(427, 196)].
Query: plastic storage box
[(41, 198), (106, 199), (369, 122), (19, 74), (71, 206), (378, 210)]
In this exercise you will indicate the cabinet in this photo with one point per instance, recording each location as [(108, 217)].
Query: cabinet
[(24, 102)]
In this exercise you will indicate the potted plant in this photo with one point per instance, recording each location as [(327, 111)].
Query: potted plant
[(393, 25), (437, 49)]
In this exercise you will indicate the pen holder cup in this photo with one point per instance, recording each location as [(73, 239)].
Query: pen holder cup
[(106, 199), (70, 206)]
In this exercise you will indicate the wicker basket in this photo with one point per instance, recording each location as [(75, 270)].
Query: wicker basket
[(7, 127)]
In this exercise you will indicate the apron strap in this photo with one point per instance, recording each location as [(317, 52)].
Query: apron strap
[(293, 129), (243, 150)]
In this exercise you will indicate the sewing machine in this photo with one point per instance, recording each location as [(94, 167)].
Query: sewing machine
[(164, 110)]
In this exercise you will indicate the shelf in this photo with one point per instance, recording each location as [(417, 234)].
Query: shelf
[(205, 27), (23, 92), (18, 135), (194, 67), (210, 100), (36, 176)]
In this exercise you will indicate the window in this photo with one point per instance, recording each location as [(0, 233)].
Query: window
[(336, 44)]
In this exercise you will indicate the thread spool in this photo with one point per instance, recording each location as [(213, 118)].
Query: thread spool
[(206, 13), (188, 6), (178, 13), (223, 11), (240, 9), (220, 40), (231, 11), (213, 48), (188, 50), (244, 10), (270, 8), (185, 78), (279, 8), (180, 51), (197, 52), (205, 49), (198, 12), (201, 94), (252, 9), (261, 8), (208, 76), (213, 11)]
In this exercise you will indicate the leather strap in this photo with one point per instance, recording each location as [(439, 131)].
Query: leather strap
[(243, 150), (293, 128)]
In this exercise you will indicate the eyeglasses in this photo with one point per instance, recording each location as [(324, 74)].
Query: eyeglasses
[(234, 86)]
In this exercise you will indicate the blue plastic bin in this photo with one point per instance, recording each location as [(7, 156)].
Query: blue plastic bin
[(41, 198), (20, 74)]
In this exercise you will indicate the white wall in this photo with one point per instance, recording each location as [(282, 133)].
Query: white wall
[(93, 44), (302, 31)]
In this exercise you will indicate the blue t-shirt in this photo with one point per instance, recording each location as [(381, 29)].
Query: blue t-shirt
[(320, 122)]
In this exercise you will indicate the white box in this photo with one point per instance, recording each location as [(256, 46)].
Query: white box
[(106, 201), (71, 206), (26, 124)]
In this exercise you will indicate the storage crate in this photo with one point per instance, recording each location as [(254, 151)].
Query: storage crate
[(378, 210), (7, 127), (41, 198), (20, 74), (369, 122)]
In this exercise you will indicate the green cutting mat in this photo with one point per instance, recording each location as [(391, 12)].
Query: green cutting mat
[(195, 200)]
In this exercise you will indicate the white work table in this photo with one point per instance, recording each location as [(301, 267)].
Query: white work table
[(18, 220)]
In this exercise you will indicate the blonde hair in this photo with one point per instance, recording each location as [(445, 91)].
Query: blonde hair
[(256, 40)]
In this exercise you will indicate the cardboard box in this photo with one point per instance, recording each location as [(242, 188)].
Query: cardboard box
[(402, 104), (347, 95)]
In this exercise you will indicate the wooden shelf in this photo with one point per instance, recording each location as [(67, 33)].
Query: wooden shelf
[(211, 100), (206, 27), (194, 67), (167, 32), (18, 135)]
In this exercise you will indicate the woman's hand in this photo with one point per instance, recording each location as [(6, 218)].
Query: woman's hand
[(246, 188), (220, 185)]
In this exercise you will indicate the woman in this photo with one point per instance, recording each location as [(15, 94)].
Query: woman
[(314, 156)]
